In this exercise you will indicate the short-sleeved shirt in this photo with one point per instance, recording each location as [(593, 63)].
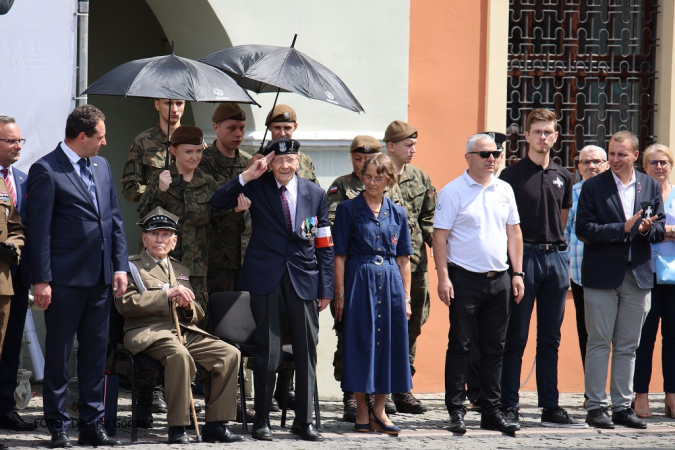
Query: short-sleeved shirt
[(541, 195), (476, 216), (576, 247)]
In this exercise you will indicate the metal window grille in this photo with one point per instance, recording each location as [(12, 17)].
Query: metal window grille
[(590, 61)]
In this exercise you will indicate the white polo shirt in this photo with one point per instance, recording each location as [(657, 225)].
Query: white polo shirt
[(476, 216)]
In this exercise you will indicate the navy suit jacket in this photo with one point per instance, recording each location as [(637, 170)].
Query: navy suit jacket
[(600, 225), (272, 250), (20, 273), (71, 243)]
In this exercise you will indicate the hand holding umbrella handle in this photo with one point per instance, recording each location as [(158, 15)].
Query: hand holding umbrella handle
[(192, 400)]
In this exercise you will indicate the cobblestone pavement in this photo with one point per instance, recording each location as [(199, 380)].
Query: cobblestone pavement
[(427, 431)]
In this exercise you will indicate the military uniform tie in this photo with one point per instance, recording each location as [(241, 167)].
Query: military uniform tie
[(164, 268)]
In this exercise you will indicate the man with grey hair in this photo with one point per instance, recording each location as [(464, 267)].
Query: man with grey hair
[(592, 161), (473, 280)]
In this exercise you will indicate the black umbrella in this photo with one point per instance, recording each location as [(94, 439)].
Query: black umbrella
[(171, 77), (268, 68)]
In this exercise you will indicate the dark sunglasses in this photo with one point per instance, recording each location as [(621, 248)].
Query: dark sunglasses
[(486, 154)]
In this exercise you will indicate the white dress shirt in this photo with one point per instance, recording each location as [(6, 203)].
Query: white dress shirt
[(626, 194), (292, 195)]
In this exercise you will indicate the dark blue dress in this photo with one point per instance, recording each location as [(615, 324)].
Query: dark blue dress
[(375, 352)]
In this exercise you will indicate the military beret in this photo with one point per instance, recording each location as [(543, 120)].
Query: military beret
[(281, 113), (159, 219), (365, 144), (282, 146), (398, 130), (228, 111), (186, 134), (499, 138)]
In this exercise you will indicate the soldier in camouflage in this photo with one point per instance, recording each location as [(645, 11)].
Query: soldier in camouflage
[(148, 152), (344, 188), (419, 201), (282, 122), (189, 200), (223, 161)]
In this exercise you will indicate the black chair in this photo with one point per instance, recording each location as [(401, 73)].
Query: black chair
[(232, 321), (116, 336)]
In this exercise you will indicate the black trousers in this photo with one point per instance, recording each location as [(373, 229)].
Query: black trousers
[(578, 296), (269, 312), (480, 308), (11, 348)]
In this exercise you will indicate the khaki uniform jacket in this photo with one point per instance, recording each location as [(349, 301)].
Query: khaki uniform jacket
[(146, 307), (12, 231)]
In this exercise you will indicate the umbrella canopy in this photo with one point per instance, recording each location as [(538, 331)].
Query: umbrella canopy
[(170, 77), (268, 68)]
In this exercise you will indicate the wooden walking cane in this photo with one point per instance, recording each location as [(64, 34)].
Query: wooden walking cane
[(192, 400)]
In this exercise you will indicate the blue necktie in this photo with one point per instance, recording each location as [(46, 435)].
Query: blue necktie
[(88, 179)]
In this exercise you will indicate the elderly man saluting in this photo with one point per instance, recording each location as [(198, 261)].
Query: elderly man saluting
[(288, 269), (157, 283)]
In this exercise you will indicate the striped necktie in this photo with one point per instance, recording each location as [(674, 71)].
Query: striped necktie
[(88, 179), (10, 186), (287, 209)]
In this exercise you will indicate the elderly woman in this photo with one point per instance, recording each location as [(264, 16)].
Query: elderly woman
[(658, 162), (372, 294)]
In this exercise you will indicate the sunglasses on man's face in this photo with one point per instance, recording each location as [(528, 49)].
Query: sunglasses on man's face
[(486, 154)]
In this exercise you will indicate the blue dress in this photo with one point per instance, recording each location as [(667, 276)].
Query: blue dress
[(375, 352)]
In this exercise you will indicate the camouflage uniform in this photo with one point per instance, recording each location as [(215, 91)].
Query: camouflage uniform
[(419, 198), (190, 202), (146, 159), (225, 236), (344, 188), (306, 168)]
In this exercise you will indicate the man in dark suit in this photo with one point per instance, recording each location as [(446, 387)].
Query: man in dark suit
[(10, 148), (76, 242), (288, 269), (618, 220)]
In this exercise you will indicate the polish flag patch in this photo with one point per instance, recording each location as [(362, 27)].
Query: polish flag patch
[(323, 238), (332, 190)]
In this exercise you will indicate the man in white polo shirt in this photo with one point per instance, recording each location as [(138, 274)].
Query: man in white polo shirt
[(476, 226)]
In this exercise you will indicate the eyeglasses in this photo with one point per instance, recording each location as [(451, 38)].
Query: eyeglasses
[(486, 154), (14, 141), (659, 162), (595, 162), (539, 133), (280, 161), (369, 178)]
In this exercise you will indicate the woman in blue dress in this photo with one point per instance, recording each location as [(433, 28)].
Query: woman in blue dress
[(372, 294)]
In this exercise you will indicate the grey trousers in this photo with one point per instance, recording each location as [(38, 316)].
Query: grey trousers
[(614, 319)]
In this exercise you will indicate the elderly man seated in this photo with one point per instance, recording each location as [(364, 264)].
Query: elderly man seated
[(156, 285)]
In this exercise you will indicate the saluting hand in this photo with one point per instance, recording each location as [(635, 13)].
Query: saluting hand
[(243, 203), (258, 168), (164, 180)]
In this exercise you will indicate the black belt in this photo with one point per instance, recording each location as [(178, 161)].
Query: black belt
[(482, 274), (546, 247)]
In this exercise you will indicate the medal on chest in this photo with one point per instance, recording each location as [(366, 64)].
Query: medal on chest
[(308, 228)]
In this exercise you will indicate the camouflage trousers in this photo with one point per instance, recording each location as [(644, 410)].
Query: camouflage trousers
[(420, 302), (201, 297), (220, 280)]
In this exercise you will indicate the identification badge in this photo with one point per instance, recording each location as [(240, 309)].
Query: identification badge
[(394, 238), (182, 277)]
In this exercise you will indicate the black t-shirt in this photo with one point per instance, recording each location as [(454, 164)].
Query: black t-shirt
[(541, 195)]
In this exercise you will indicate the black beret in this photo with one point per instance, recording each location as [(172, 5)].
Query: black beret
[(282, 146)]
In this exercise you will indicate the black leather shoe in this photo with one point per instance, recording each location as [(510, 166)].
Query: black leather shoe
[(13, 421), (4, 447), (159, 406), (457, 422), (494, 420), (177, 435), (219, 432), (628, 418), (274, 405), (60, 440), (307, 432), (261, 430), (599, 418), (96, 438)]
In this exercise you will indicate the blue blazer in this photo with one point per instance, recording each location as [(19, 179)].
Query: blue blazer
[(272, 250), (20, 180), (71, 243), (600, 225)]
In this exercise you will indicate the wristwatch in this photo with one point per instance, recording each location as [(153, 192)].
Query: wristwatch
[(519, 274)]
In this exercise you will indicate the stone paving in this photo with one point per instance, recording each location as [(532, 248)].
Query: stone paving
[(427, 431)]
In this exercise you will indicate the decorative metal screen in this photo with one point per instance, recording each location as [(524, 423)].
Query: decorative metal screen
[(590, 61)]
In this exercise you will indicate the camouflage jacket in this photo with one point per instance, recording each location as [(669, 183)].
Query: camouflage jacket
[(225, 230), (306, 168), (190, 202), (350, 186), (419, 201), (146, 159)]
